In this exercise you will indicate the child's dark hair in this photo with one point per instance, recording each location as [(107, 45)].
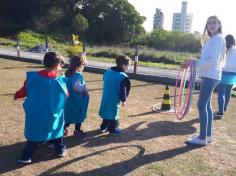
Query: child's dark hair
[(230, 41), (122, 60), (52, 59), (75, 61)]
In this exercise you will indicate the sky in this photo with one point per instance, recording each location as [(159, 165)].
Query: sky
[(201, 9)]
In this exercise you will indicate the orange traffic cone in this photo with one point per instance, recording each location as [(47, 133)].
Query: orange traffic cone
[(166, 103)]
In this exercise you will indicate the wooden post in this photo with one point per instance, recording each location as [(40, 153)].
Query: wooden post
[(46, 45), (84, 48), (18, 47), (136, 59)]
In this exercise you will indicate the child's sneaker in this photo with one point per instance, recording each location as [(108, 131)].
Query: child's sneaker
[(218, 115), (79, 133), (197, 141), (116, 131), (104, 130), (24, 161), (66, 131), (50, 144), (63, 153), (209, 139)]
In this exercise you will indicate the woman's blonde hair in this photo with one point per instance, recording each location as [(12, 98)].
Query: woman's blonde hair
[(206, 34)]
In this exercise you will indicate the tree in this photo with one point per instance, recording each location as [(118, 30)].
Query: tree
[(80, 25), (101, 21), (166, 40), (111, 21)]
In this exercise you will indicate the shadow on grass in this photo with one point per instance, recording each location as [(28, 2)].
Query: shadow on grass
[(143, 85), (8, 68), (152, 130), (132, 87), (145, 113), (172, 96), (93, 90), (98, 80), (10, 153), (7, 94), (123, 167)]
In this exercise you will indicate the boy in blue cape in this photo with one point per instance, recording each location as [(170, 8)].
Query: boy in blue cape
[(116, 88), (46, 95)]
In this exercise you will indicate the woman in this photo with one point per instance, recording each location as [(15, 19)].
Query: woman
[(210, 70)]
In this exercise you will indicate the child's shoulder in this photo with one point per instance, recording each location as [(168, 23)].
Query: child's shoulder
[(31, 74), (76, 76), (62, 79)]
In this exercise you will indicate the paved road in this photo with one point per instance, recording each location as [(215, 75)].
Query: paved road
[(97, 64)]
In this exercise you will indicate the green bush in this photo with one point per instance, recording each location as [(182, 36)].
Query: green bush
[(73, 50), (167, 40)]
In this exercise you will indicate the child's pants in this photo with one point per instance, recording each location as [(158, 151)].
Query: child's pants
[(204, 106), (32, 146), (77, 126), (224, 96)]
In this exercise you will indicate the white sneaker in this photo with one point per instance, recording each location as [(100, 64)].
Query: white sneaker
[(196, 141), (22, 161), (62, 154), (209, 139)]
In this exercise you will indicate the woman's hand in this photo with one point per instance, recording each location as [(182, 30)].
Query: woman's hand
[(185, 64)]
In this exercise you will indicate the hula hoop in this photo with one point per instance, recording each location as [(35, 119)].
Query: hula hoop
[(182, 103)]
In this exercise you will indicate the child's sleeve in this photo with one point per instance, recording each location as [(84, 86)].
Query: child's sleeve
[(124, 89), (21, 93), (79, 86)]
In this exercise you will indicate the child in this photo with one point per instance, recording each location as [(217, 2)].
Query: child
[(210, 69), (46, 95), (116, 87), (77, 103), (228, 78)]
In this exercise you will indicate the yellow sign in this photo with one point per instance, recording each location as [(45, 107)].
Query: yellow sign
[(75, 39)]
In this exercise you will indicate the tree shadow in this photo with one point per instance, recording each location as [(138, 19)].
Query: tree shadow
[(93, 90), (10, 153), (145, 113), (135, 86), (143, 85), (123, 167), (172, 96), (50, 171), (98, 80), (153, 130), (7, 94), (9, 68)]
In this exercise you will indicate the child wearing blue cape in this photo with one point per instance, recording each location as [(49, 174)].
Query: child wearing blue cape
[(46, 94), (116, 88), (78, 100)]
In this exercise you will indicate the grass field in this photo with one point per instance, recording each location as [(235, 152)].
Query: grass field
[(151, 144)]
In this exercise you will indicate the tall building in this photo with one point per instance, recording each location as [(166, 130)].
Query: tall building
[(158, 21), (182, 22)]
